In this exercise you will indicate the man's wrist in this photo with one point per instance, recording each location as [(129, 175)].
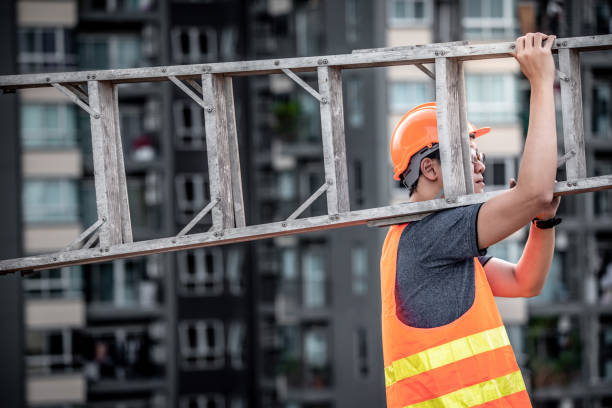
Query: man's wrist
[(546, 224)]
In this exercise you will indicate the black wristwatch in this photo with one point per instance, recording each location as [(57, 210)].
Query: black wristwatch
[(546, 224)]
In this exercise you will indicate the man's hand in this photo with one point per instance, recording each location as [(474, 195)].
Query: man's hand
[(550, 211), (533, 52)]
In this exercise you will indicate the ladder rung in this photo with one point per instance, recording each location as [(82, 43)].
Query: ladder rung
[(571, 105), (332, 131), (217, 149)]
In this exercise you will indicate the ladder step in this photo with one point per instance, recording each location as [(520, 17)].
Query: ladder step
[(571, 105), (332, 131)]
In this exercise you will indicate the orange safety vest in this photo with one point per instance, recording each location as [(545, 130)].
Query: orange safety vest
[(466, 363)]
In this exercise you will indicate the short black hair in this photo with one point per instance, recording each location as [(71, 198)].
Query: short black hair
[(434, 156)]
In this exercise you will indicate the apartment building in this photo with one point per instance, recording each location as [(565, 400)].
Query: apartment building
[(146, 331), (317, 305)]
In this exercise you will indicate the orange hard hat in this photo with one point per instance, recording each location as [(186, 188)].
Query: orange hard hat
[(416, 130)]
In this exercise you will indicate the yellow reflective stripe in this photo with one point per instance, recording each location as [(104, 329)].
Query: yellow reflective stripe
[(477, 394), (445, 354)]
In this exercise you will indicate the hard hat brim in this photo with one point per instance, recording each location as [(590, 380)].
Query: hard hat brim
[(480, 132)]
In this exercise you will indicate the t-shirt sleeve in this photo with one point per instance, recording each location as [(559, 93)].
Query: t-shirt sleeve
[(448, 236)]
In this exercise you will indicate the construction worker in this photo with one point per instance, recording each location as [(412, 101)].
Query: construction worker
[(444, 342)]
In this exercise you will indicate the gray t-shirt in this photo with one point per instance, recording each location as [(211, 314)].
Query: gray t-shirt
[(435, 267)]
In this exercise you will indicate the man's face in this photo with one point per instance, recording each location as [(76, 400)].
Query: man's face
[(478, 168)]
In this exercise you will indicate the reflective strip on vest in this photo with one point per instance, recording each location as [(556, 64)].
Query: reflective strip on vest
[(447, 353), (477, 394)]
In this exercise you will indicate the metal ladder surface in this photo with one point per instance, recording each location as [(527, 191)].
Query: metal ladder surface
[(210, 85)]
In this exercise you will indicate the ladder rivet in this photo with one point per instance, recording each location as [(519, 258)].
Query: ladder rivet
[(93, 77), (512, 46), (174, 241), (284, 224), (330, 182), (104, 219), (209, 110), (323, 101), (164, 70), (564, 43), (48, 79), (97, 116), (436, 53), (569, 184), (54, 258), (276, 62)]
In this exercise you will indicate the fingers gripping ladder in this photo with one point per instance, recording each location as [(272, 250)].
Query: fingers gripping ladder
[(210, 86)]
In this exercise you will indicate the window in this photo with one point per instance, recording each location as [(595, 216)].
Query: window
[(235, 275), (203, 401), (498, 172), (122, 353), (229, 43), (44, 49), (491, 98), (602, 199), (359, 267), (404, 96), (121, 283), (189, 125), (192, 193), (313, 278), (307, 29), (357, 195), (49, 201), (361, 352), (201, 271), (202, 343), (113, 6), (145, 194), (137, 144), (352, 20), (236, 339), (602, 109), (355, 102), (48, 125), (409, 13), (316, 357), (109, 51), (55, 283), (191, 45), (49, 351), (489, 19), (286, 185)]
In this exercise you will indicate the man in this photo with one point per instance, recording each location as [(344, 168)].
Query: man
[(443, 340)]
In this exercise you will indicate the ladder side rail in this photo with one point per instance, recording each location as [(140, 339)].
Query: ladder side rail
[(571, 105), (449, 128), (105, 162), (418, 55), (217, 149), (124, 202), (287, 227), (234, 155), (334, 145)]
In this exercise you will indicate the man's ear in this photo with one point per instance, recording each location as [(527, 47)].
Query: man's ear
[(429, 169)]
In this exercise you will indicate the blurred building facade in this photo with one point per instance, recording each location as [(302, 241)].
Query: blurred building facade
[(277, 323), (288, 322)]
